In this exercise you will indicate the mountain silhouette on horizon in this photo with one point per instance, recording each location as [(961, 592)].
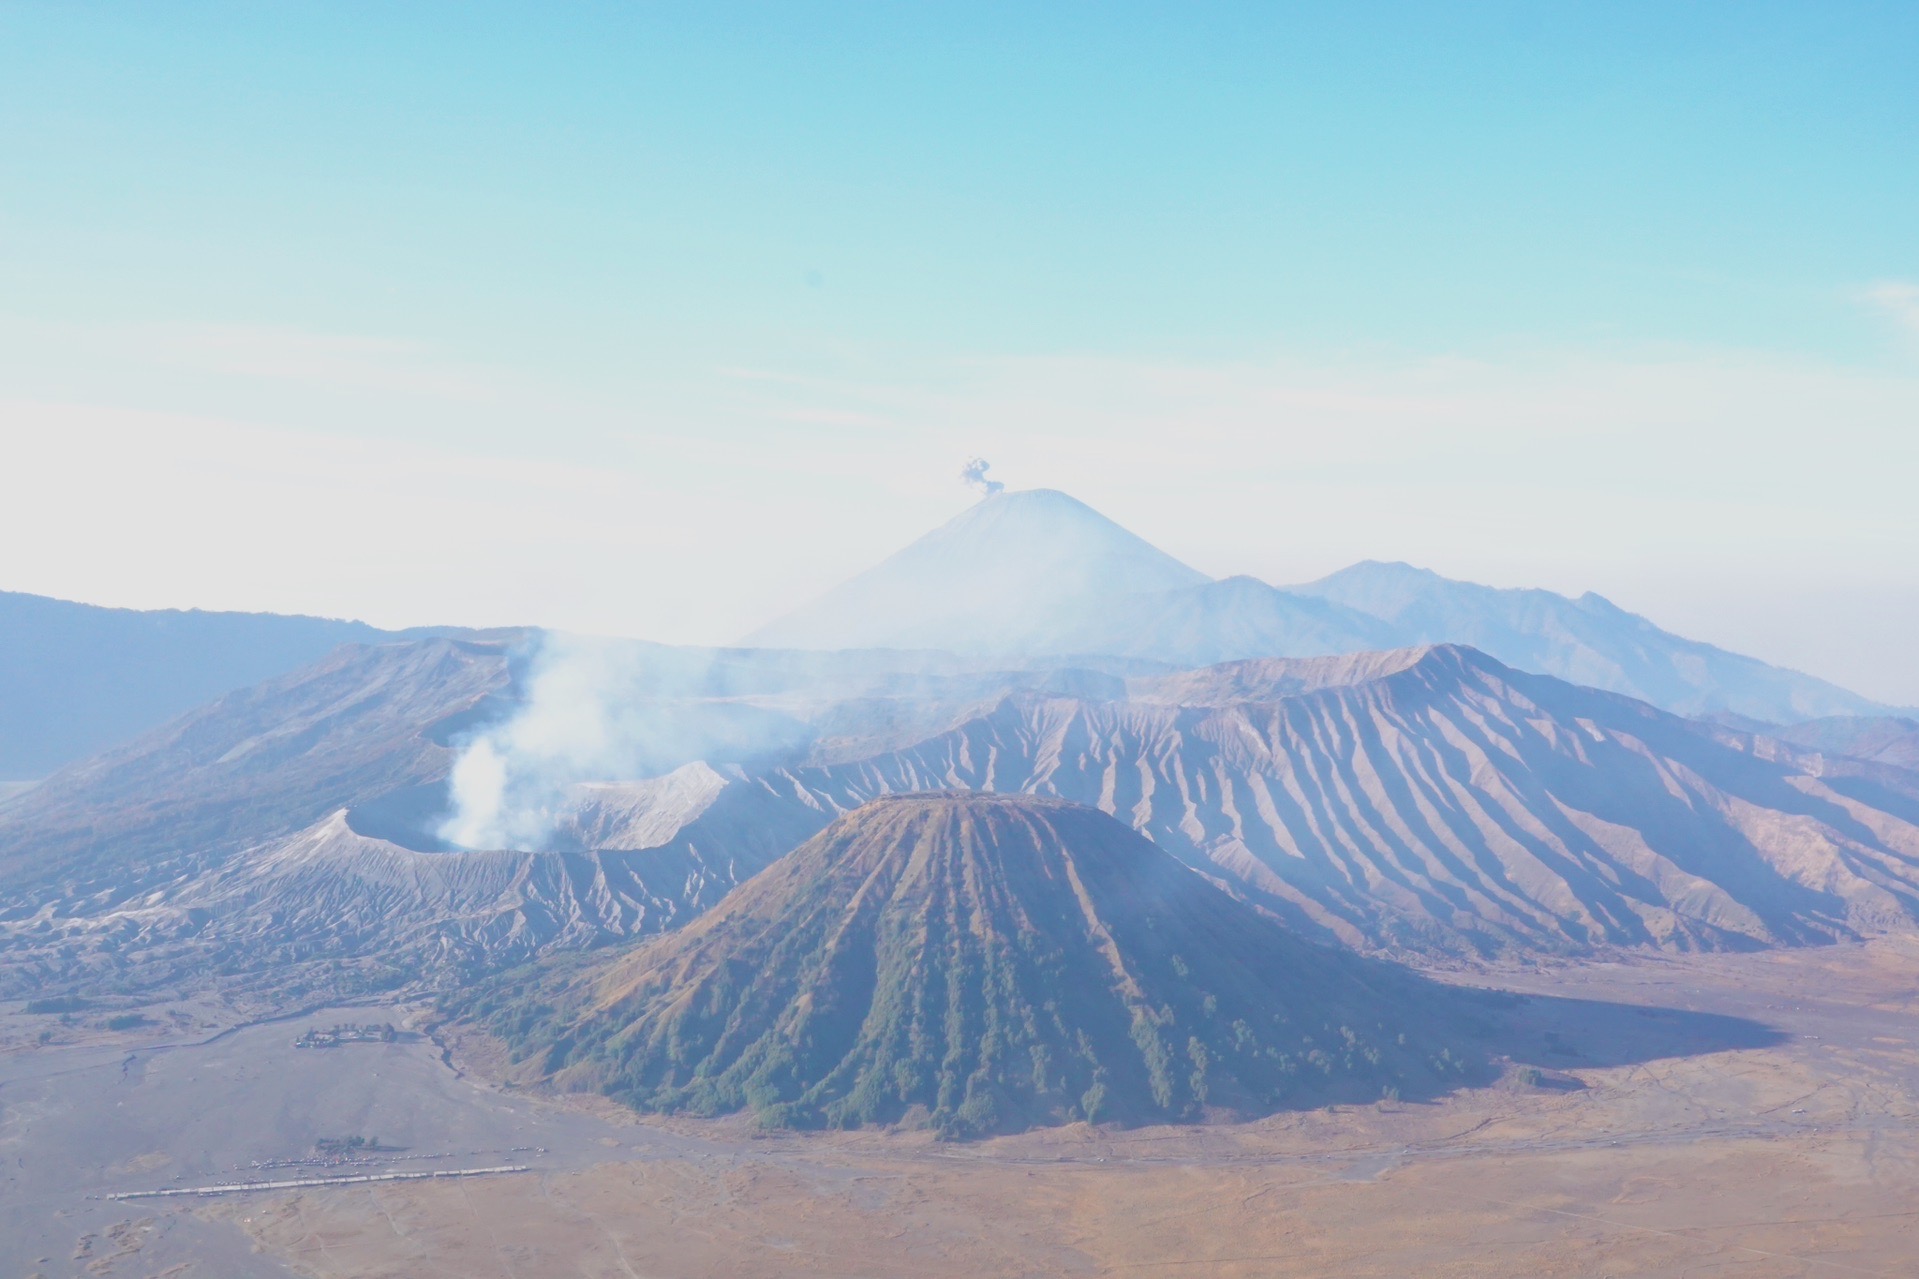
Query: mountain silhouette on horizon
[(1037, 576), (1003, 577)]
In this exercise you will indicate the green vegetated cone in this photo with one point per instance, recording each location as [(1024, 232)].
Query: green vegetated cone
[(980, 964)]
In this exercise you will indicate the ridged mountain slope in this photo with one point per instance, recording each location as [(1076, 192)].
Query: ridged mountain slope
[(339, 909), (1269, 679), (982, 963), (1445, 803), (1431, 802), (362, 723), (284, 835)]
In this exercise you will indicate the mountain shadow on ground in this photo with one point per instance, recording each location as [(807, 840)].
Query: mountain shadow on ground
[(1559, 1033)]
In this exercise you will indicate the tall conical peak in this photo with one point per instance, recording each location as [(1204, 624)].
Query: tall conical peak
[(989, 962), (1010, 573)]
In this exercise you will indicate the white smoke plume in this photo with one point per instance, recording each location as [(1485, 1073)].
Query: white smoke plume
[(974, 473), (509, 782), (595, 711)]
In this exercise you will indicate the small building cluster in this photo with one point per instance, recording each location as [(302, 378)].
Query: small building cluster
[(346, 1145), (348, 1033)]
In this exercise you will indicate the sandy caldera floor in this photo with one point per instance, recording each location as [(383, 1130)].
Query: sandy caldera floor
[(1797, 1158)]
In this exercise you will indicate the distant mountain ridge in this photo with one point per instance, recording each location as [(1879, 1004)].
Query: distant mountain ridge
[(1588, 640), (1039, 576), (1224, 621), (1884, 739), (76, 679)]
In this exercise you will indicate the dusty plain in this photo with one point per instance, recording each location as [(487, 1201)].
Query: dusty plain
[(1663, 1116)]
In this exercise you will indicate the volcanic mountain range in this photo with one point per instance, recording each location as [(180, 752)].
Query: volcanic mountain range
[(1426, 802), (1021, 579), (965, 883), (1429, 801)]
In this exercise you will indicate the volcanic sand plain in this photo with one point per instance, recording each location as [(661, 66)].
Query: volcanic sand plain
[(1750, 1114)]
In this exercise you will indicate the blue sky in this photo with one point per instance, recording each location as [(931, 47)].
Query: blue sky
[(1029, 179), (657, 318)]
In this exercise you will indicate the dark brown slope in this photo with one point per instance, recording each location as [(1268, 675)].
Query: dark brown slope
[(983, 963), (1435, 801)]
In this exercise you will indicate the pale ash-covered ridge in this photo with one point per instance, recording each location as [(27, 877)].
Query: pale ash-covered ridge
[(243, 845), (1272, 678), (333, 908), (1427, 801), (1452, 805)]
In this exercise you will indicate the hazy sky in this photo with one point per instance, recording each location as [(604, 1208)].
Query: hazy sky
[(655, 319)]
